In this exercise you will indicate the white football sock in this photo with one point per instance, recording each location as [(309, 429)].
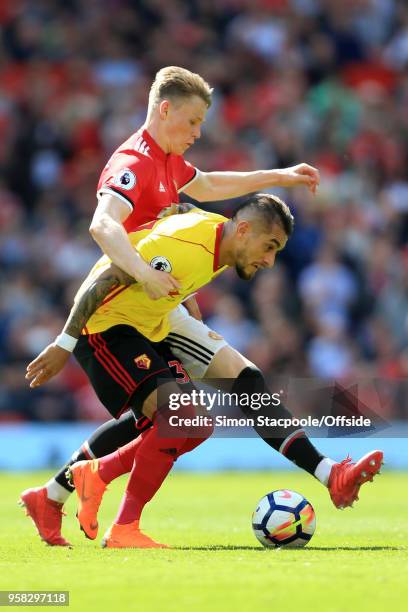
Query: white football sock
[(322, 472), (56, 492)]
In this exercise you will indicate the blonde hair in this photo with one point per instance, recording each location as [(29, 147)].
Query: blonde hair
[(174, 82)]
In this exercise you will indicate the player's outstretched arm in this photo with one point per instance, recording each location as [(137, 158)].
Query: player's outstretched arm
[(54, 357), (210, 186)]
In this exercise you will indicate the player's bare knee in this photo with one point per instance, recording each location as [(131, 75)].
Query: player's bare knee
[(159, 398), (150, 405), (227, 363)]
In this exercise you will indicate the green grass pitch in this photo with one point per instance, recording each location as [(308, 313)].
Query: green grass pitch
[(357, 559)]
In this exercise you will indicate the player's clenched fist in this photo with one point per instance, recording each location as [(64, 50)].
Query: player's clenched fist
[(48, 363)]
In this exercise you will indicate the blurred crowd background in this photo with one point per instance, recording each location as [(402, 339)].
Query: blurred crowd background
[(320, 81)]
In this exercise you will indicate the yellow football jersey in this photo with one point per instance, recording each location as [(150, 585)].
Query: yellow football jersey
[(186, 246)]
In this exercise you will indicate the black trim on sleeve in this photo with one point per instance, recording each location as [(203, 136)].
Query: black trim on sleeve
[(189, 181), (119, 193)]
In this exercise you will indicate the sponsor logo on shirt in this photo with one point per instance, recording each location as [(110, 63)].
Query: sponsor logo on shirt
[(162, 187), (125, 179)]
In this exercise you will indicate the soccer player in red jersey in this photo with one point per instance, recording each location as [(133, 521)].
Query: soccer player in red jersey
[(140, 182)]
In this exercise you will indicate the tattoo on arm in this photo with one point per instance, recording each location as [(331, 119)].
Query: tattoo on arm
[(93, 296)]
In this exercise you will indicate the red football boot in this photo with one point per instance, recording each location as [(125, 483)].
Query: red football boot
[(90, 488), (46, 515), (346, 477), (128, 536)]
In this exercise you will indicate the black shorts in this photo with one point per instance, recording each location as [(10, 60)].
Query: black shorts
[(124, 367)]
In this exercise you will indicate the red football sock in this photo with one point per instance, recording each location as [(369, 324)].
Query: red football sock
[(155, 452), (154, 459), (120, 462), (190, 444)]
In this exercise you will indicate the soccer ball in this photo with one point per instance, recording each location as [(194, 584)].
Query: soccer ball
[(284, 518)]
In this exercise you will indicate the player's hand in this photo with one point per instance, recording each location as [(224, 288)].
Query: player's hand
[(193, 308), (301, 174), (158, 284), (48, 363), (175, 209), (168, 211)]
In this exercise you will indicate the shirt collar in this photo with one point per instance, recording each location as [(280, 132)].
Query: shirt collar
[(156, 148), (218, 235)]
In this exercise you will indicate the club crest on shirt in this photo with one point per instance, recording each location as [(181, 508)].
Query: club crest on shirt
[(125, 179), (161, 263), (143, 362)]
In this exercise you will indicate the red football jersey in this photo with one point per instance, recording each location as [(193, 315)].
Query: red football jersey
[(146, 178)]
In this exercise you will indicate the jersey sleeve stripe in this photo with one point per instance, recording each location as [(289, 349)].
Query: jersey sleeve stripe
[(195, 175), (117, 194)]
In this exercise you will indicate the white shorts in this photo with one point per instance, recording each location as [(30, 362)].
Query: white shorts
[(192, 341)]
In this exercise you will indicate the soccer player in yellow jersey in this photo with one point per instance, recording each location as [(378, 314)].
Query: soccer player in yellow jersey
[(188, 246), (121, 350)]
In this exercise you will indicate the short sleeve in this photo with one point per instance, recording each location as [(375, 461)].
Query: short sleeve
[(184, 173), (156, 250), (162, 254), (125, 176)]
